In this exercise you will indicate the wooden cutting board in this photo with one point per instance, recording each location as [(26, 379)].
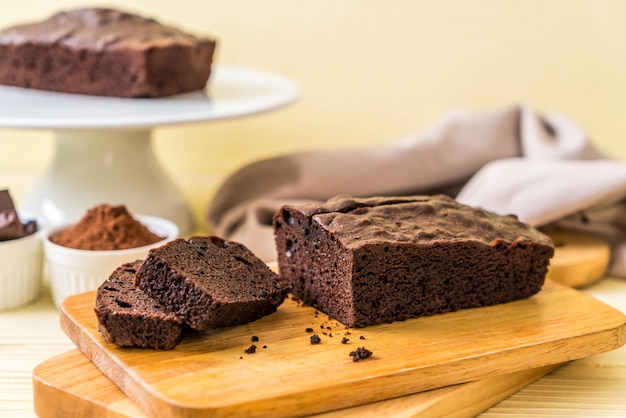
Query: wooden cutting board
[(69, 384), (579, 258), (211, 375)]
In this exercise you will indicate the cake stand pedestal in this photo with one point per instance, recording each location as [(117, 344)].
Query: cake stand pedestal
[(103, 146), (106, 166)]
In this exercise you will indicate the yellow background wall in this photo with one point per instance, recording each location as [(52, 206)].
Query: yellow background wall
[(372, 71)]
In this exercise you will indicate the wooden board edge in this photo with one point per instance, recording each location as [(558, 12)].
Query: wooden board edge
[(55, 397)]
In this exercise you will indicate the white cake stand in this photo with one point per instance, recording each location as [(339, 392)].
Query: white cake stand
[(103, 146)]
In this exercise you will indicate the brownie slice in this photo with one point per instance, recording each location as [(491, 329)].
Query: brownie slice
[(129, 317), (211, 282), (365, 261), (104, 52)]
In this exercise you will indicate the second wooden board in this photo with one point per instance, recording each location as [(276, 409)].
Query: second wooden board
[(579, 258), (69, 384)]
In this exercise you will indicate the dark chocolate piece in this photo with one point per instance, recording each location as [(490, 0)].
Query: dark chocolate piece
[(11, 226)]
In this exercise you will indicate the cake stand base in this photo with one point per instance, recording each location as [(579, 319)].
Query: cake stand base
[(112, 166)]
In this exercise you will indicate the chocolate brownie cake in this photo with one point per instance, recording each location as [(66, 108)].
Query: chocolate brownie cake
[(104, 52), (211, 282), (365, 261), (129, 317)]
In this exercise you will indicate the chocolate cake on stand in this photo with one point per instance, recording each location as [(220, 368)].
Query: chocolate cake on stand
[(103, 145)]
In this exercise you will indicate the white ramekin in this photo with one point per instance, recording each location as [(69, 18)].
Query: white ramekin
[(21, 263), (73, 271)]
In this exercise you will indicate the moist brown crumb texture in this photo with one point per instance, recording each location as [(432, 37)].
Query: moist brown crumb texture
[(211, 282), (128, 317)]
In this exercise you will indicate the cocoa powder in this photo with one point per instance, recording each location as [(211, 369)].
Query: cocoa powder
[(106, 227)]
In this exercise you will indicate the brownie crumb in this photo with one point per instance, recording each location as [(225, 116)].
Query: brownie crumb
[(345, 340), (315, 339), (264, 346), (361, 337), (309, 329), (254, 338), (360, 354), (251, 349)]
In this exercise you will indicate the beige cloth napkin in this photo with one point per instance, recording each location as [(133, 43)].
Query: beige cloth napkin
[(540, 167)]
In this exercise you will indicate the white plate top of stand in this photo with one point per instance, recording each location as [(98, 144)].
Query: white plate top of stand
[(231, 92), (108, 141)]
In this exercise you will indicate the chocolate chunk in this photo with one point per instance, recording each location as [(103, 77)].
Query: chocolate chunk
[(128, 317), (11, 227), (211, 282)]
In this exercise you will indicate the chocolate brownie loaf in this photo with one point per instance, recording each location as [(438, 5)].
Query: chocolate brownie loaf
[(365, 261), (129, 317), (104, 52), (211, 282)]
